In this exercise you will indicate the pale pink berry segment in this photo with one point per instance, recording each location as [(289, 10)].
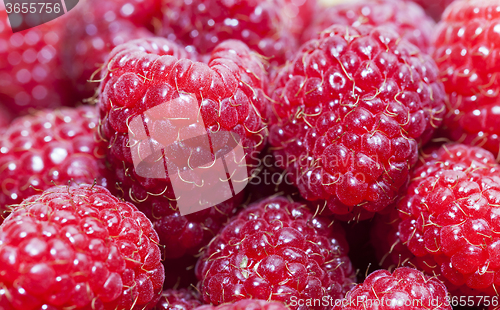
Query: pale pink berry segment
[(349, 113), (79, 248), (467, 46), (275, 250)]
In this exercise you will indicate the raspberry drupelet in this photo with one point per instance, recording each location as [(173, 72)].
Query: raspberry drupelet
[(405, 288), (262, 24), (156, 84), (276, 250), (450, 214), (78, 247), (407, 18), (467, 48), (50, 147), (349, 113)]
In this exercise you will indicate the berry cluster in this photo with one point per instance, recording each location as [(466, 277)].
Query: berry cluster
[(251, 155)]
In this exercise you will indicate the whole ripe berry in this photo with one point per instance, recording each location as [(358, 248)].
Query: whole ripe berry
[(406, 18), (275, 250), (50, 147), (30, 66), (405, 288), (78, 248), (301, 13), (155, 84), (262, 24), (449, 213), (93, 31), (349, 113), (178, 299), (467, 49), (247, 304)]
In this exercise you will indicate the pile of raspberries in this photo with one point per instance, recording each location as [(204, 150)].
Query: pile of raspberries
[(251, 154)]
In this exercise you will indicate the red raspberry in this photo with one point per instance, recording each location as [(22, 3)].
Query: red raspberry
[(30, 66), (91, 35), (466, 54), (349, 113), (407, 18), (181, 299), (405, 288), (47, 148), (152, 74), (275, 250), (449, 214), (78, 248), (262, 24), (247, 304), (434, 7)]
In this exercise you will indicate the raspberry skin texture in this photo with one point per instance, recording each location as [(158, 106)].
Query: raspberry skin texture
[(407, 18), (349, 113), (275, 250), (80, 248), (90, 36), (50, 147), (228, 93), (405, 288), (247, 304), (466, 51), (264, 25), (449, 214), (30, 66), (181, 299)]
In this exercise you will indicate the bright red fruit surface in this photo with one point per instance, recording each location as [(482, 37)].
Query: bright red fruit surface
[(349, 113), (226, 93), (180, 299), (406, 18), (50, 147), (94, 30), (262, 24), (449, 215), (78, 248), (31, 74), (275, 250), (247, 304), (405, 288), (467, 52)]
